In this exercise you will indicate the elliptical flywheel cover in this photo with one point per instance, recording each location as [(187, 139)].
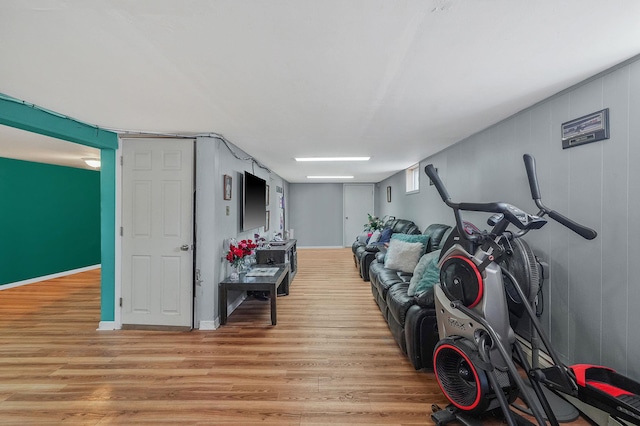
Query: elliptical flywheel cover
[(461, 280), (464, 385)]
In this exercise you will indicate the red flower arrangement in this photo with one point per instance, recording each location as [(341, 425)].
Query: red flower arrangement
[(238, 251)]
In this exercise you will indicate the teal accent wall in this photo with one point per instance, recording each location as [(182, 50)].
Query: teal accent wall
[(50, 219), (25, 116)]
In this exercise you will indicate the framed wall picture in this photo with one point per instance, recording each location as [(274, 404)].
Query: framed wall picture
[(267, 195), (388, 194), (267, 220), (589, 128), (227, 182)]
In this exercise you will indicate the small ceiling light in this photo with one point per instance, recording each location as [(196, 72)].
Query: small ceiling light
[(329, 177), (332, 158), (92, 162)]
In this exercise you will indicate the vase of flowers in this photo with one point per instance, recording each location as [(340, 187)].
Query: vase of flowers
[(374, 223), (236, 256)]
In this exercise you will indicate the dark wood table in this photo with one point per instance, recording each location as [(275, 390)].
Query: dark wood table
[(254, 283)]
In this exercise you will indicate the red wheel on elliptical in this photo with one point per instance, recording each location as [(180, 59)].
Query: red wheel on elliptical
[(466, 386), (461, 280)]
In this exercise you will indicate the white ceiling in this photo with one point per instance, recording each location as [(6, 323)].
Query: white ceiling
[(391, 79)]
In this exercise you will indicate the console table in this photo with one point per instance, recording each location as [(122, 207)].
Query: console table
[(268, 283), (280, 252)]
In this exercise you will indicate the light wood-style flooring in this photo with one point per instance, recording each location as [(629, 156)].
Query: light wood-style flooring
[(331, 360)]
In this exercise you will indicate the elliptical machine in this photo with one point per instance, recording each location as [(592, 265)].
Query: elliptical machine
[(478, 300)]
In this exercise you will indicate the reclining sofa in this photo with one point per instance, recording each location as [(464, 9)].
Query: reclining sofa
[(411, 319), (364, 252)]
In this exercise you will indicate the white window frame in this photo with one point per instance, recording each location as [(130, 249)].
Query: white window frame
[(412, 175)]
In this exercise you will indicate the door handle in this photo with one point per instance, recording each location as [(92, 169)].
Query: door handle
[(184, 247)]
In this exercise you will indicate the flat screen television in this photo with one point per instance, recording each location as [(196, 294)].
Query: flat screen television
[(254, 203)]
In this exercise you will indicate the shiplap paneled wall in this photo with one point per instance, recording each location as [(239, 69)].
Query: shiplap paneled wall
[(593, 293)]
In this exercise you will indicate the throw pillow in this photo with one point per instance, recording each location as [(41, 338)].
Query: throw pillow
[(402, 255), (385, 236), (418, 272), (411, 238), (363, 238), (429, 276), (374, 237)]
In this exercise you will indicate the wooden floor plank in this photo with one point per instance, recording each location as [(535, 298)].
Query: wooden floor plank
[(330, 360)]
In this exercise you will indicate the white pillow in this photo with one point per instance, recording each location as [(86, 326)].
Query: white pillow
[(375, 237), (403, 256)]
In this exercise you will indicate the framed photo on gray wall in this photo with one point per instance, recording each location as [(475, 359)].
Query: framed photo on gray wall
[(227, 182)]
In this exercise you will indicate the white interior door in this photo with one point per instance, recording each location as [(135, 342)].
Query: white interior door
[(157, 234), (358, 201)]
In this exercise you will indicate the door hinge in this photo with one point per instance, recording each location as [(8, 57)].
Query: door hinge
[(121, 160), (121, 302), (121, 231)]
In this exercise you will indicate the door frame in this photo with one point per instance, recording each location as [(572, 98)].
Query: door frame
[(344, 211), (117, 323)]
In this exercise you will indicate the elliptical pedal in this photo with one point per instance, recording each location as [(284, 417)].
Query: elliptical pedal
[(444, 416), (602, 387), (631, 400)]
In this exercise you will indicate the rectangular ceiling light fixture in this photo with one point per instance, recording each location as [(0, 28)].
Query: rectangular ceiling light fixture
[(332, 158), (329, 177)]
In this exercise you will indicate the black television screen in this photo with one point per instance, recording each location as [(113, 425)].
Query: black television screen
[(254, 205)]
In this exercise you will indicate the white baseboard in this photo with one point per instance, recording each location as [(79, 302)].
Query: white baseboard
[(106, 325), (544, 358), (49, 277), (232, 307), (215, 324), (209, 325)]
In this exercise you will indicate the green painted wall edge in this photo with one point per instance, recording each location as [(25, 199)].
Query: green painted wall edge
[(108, 231), (25, 116)]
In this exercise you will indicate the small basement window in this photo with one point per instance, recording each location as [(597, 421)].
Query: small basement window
[(413, 178)]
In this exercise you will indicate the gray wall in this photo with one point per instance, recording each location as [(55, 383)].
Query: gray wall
[(316, 214), (592, 295), (214, 225)]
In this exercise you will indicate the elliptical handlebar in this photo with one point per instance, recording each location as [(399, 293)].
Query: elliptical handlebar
[(514, 215), (433, 175), (583, 231), (496, 207), (530, 165)]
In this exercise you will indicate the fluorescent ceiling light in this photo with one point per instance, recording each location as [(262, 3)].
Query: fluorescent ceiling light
[(332, 158), (329, 177), (92, 162)]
